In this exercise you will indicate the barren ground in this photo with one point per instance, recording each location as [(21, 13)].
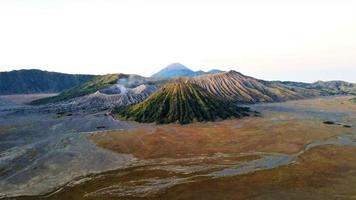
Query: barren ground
[(286, 153)]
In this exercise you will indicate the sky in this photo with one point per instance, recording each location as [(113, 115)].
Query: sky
[(296, 40)]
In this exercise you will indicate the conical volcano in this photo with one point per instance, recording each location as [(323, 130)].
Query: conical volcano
[(182, 103), (174, 70)]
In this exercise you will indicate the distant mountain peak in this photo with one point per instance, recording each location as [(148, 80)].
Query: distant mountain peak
[(178, 70), (176, 66), (174, 70)]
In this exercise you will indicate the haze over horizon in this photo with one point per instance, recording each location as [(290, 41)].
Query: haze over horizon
[(279, 40)]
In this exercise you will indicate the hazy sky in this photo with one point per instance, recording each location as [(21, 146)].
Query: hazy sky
[(301, 40)]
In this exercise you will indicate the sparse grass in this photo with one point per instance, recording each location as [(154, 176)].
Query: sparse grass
[(353, 100), (262, 134), (332, 104)]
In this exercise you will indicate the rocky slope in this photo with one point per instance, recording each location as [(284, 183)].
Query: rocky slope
[(105, 83), (183, 103), (237, 87), (105, 99), (37, 81)]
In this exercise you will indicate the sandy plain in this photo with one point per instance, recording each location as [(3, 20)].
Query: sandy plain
[(286, 153)]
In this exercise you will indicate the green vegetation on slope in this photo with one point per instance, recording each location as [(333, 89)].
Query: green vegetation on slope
[(353, 100), (334, 87), (81, 90), (183, 103), (37, 81)]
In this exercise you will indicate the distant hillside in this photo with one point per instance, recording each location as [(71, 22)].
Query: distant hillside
[(214, 71), (37, 81), (91, 86), (183, 103), (237, 87), (178, 70), (201, 72), (230, 86), (109, 84), (335, 87)]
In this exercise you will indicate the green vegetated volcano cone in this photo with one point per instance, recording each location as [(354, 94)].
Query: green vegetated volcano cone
[(182, 103)]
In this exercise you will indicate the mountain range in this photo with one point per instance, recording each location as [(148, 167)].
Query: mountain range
[(174, 94), (37, 81)]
